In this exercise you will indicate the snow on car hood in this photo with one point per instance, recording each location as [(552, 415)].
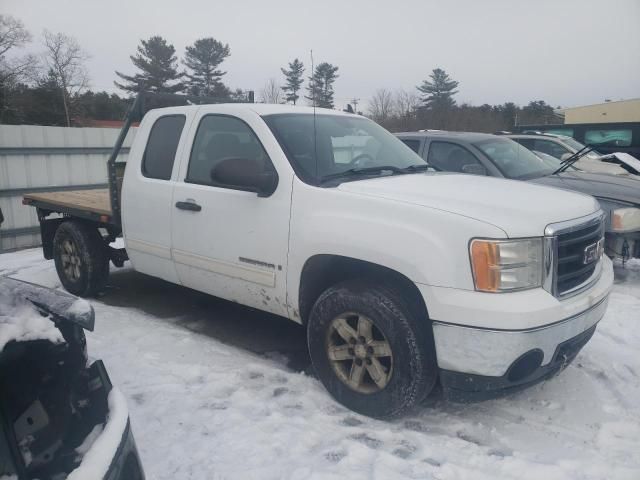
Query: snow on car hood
[(23, 304), (21, 321), (518, 208), (625, 159)]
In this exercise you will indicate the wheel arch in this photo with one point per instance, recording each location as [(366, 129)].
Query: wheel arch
[(324, 270)]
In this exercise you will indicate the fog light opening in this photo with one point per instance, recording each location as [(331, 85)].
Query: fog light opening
[(525, 365)]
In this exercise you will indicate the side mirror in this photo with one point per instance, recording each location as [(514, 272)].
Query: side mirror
[(474, 169), (245, 174)]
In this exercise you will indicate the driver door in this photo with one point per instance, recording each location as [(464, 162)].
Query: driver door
[(226, 241)]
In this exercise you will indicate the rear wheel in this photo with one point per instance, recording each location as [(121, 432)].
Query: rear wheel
[(371, 349), (81, 258)]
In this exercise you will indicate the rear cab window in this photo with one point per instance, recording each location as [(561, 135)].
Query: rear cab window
[(162, 144)]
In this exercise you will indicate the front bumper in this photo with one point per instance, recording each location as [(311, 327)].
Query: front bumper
[(492, 353), (531, 336), (459, 386)]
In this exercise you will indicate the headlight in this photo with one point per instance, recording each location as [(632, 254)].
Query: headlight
[(625, 219), (504, 265)]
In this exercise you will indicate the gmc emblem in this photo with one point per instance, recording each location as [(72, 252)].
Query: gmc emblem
[(593, 252)]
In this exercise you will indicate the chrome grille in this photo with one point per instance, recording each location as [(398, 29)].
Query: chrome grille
[(570, 249)]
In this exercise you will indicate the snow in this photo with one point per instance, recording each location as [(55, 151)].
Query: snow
[(99, 455), (20, 321), (86, 444), (627, 159), (201, 408)]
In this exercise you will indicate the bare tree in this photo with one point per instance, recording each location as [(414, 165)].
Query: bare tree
[(14, 35), (66, 62), (271, 92), (406, 103), (381, 105)]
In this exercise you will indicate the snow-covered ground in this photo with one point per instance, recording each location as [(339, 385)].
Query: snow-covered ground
[(217, 391)]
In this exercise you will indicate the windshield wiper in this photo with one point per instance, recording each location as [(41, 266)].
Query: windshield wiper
[(419, 168), (573, 159), (377, 170), (364, 171)]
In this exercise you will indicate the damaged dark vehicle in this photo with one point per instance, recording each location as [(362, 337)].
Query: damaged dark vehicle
[(60, 417)]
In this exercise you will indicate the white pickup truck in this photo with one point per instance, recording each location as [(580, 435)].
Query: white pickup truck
[(401, 275)]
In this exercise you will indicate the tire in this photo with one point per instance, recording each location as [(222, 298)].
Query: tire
[(81, 258), (410, 372)]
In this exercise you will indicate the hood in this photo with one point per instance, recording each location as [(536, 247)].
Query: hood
[(518, 208), (600, 185)]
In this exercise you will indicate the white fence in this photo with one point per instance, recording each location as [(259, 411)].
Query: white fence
[(34, 158)]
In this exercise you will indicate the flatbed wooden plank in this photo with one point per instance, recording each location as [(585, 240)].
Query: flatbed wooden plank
[(94, 201)]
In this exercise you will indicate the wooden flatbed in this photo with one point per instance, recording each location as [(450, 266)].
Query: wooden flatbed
[(92, 204)]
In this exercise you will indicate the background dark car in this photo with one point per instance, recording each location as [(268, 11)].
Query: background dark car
[(498, 156), (59, 416)]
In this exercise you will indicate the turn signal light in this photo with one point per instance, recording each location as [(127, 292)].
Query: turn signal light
[(506, 265), (485, 259)]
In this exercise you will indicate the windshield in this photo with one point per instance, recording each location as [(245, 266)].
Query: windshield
[(343, 144), (576, 145), (516, 161)]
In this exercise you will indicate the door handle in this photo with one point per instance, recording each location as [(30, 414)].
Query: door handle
[(191, 206)]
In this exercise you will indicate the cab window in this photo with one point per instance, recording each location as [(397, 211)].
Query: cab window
[(160, 153), (219, 138)]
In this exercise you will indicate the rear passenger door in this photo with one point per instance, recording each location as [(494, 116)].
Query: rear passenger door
[(147, 193)]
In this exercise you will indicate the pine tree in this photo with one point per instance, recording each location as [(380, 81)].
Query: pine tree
[(293, 77), (320, 86), (202, 59), (438, 93), (158, 67)]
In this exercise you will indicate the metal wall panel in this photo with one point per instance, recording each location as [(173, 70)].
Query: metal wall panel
[(35, 157)]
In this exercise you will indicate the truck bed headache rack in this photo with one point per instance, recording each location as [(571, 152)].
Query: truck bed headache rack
[(144, 102)]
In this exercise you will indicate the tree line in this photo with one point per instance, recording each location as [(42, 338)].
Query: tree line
[(54, 88), (432, 106)]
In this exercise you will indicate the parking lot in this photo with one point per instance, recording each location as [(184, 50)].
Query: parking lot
[(216, 390)]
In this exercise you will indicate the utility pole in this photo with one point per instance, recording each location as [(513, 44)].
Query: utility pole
[(355, 101)]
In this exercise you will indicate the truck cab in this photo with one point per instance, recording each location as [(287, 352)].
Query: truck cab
[(401, 275)]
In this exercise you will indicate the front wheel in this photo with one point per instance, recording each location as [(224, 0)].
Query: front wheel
[(370, 348), (81, 258)]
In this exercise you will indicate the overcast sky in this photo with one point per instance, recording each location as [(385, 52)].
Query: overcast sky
[(567, 52)]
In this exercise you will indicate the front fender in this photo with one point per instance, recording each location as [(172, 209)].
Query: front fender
[(426, 245)]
